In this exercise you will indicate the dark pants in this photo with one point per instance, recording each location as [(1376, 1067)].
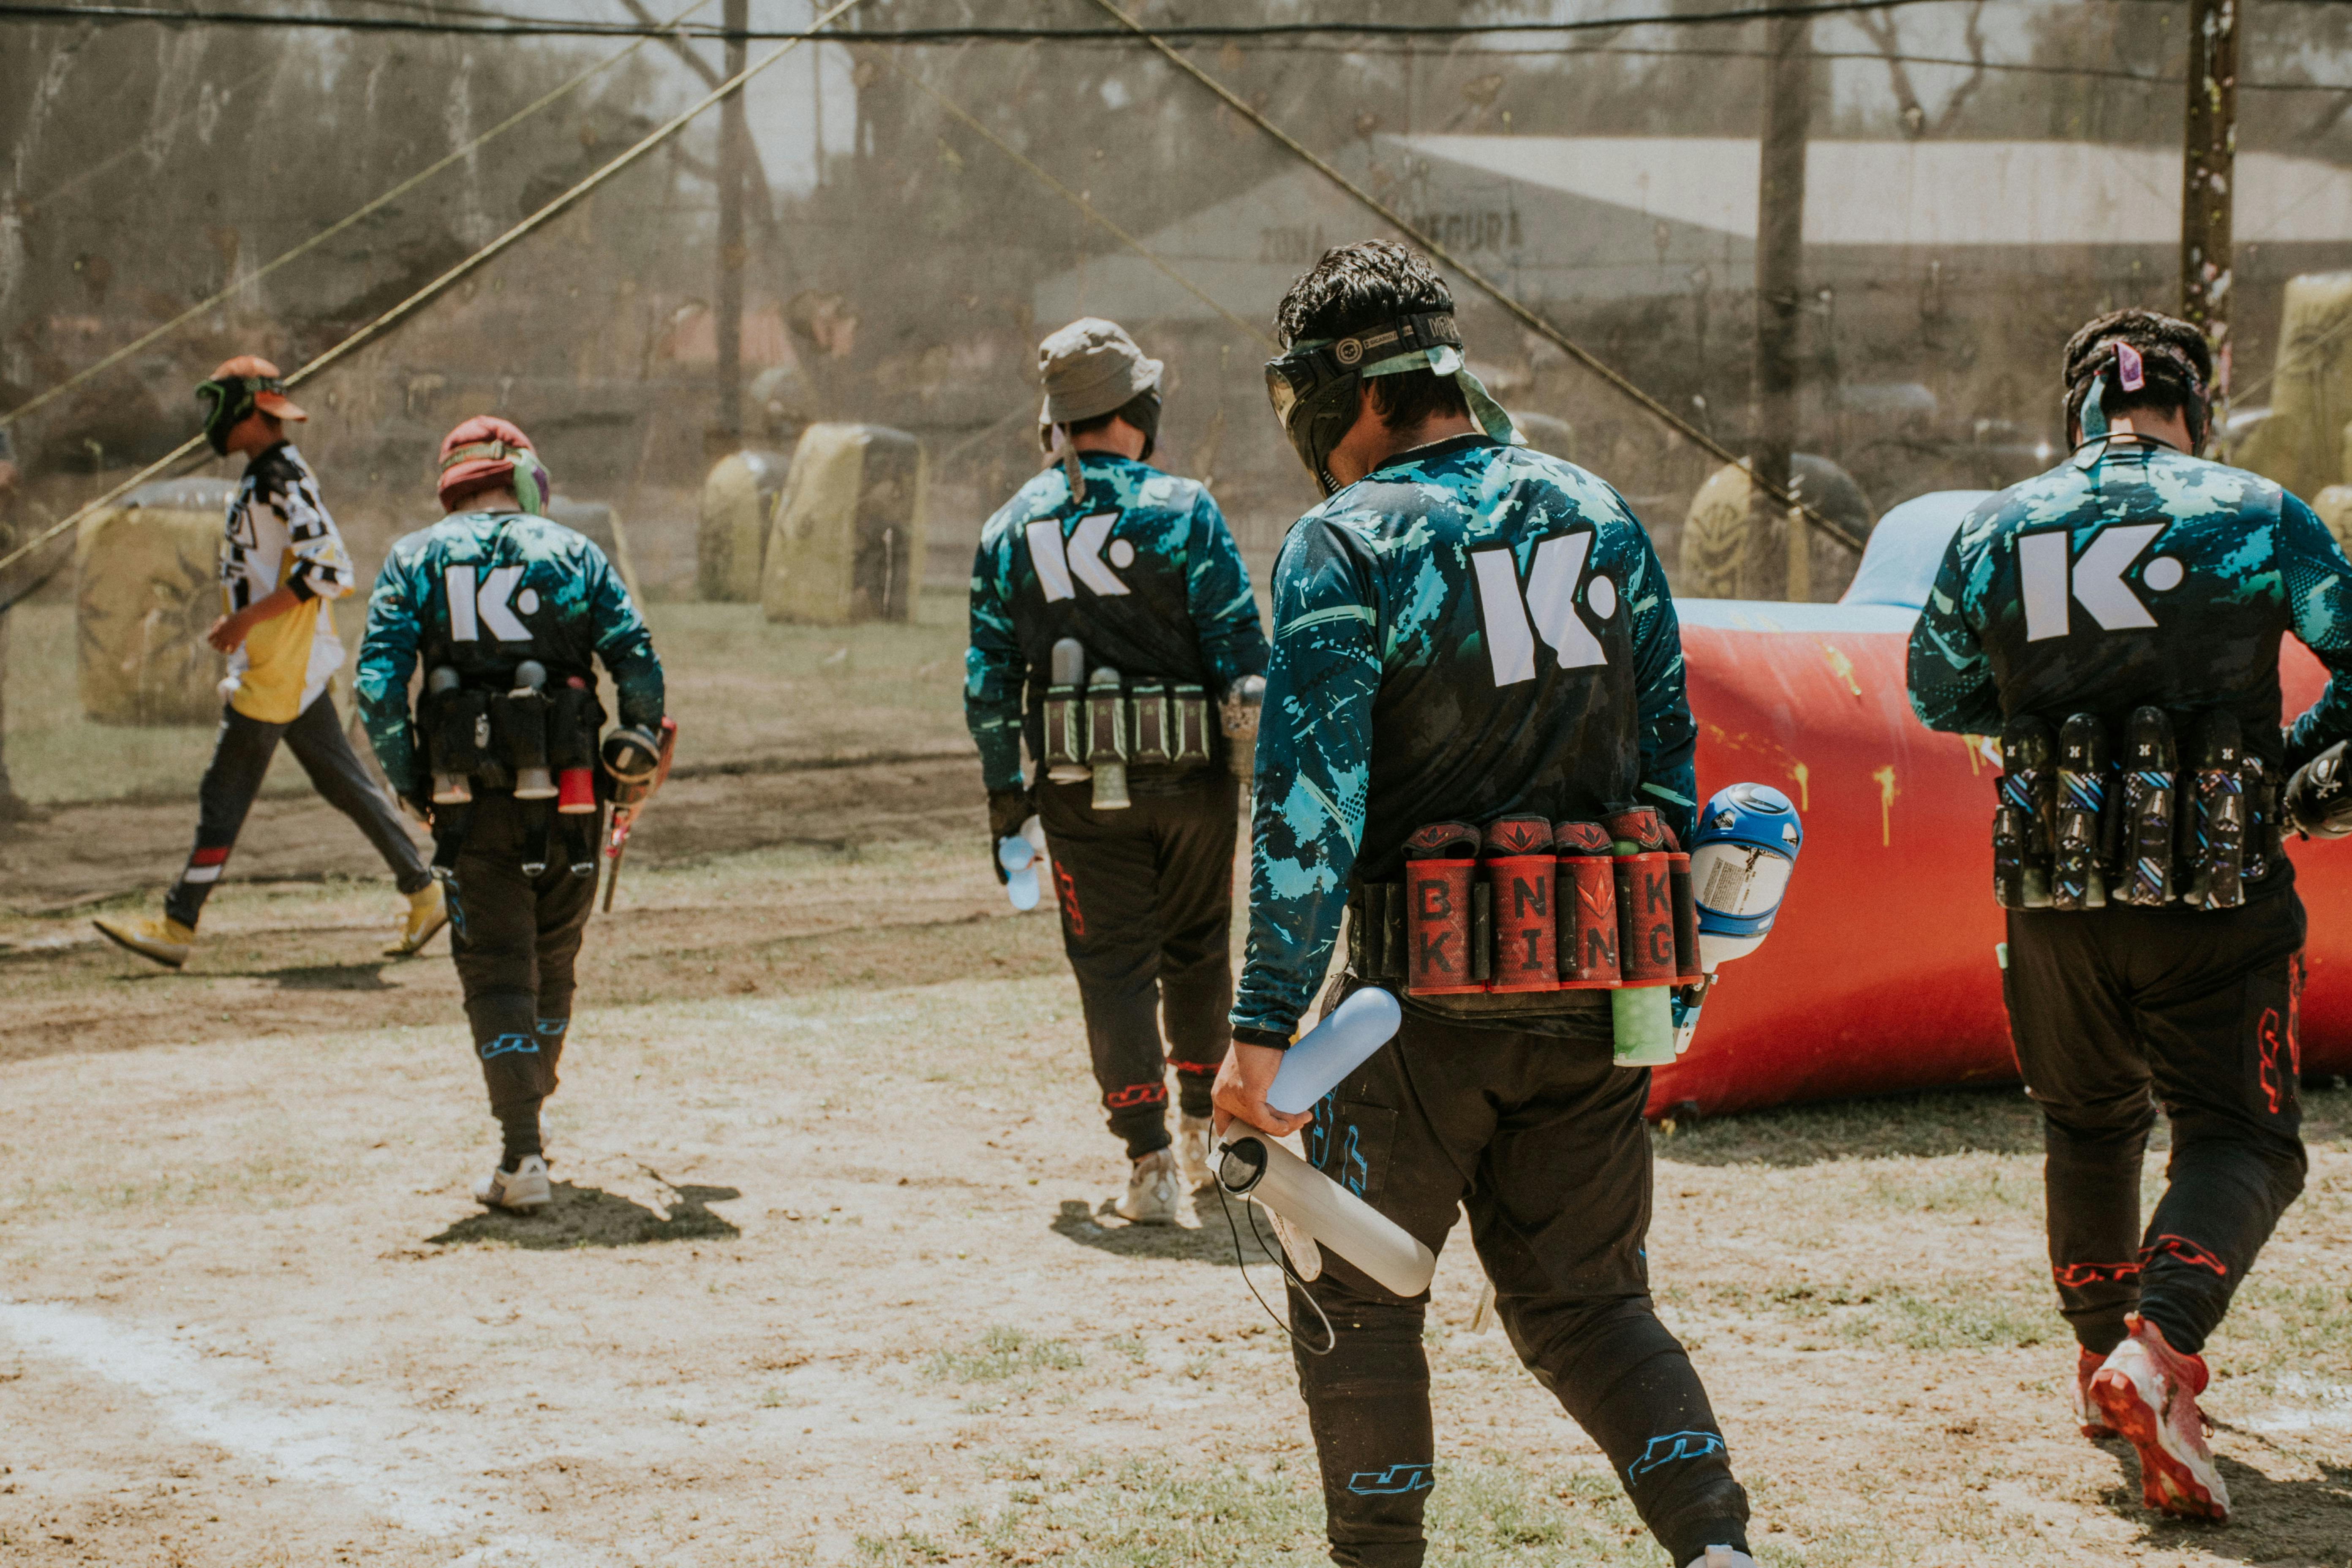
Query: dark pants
[(241, 754), (1542, 1139), (515, 939), (2104, 1006), (1147, 898)]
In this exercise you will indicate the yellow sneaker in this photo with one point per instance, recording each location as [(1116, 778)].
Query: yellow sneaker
[(159, 937), (428, 912)]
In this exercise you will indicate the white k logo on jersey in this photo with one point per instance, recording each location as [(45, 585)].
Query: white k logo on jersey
[(492, 605), (2051, 583), (1549, 603), (1082, 559)]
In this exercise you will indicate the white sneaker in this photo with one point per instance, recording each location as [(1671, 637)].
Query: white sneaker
[(2147, 1391), (1192, 1150), (523, 1189), (1151, 1190), (1723, 1557)]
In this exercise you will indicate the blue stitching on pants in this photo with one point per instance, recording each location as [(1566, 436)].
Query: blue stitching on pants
[(511, 1045), (1395, 1479), (1673, 1447)]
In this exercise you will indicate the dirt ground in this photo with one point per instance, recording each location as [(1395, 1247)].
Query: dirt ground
[(829, 1281)]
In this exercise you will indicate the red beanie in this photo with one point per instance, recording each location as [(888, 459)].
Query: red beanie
[(487, 453)]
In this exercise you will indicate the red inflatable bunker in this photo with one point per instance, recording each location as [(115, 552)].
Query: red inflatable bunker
[(1880, 974)]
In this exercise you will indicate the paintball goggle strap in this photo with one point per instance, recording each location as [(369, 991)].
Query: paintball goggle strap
[(227, 400), (2126, 365), (1314, 367)]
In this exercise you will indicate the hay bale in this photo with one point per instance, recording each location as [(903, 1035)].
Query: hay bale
[(147, 587), (739, 509), (2333, 506), (601, 525), (2300, 444), (1725, 555), (849, 538)]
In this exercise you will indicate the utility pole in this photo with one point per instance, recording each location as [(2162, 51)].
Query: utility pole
[(2207, 175), (733, 137), (1779, 293)]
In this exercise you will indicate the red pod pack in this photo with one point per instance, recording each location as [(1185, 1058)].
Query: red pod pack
[(1645, 896), (1520, 883), (1587, 904), (1441, 864), (1686, 915)]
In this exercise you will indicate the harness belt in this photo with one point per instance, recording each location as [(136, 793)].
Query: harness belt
[(1528, 905), (2075, 829), (536, 742)]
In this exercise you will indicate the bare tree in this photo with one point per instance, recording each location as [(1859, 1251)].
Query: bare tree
[(1885, 32)]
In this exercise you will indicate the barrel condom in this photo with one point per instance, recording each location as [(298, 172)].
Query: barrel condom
[(1645, 896), (1441, 864), (1588, 906), (1520, 881), (2150, 774)]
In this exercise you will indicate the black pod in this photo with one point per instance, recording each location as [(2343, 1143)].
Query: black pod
[(2151, 765)]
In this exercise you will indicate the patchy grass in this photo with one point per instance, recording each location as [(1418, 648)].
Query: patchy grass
[(1001, 1353)]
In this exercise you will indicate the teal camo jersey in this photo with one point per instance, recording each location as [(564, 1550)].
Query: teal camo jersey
[(1472, 631), (1142, 570), (2139, 575), (481, 592)]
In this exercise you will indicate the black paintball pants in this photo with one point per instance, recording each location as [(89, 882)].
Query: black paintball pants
[(241, 753), (515, 939), (1147, 900), (1542, 1139), (2107, 1005)]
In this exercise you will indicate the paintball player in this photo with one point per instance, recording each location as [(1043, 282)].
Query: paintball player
[(1466, 632), (505, 610), (282, 562), (1130, 577), (2127, 604)]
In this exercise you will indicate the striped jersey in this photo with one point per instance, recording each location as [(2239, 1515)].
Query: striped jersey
[(280, 535)]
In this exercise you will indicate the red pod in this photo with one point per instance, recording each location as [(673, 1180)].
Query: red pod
[(575, 791), (1685, 918), (1521, 892), (1441, 867), (1587, 902)]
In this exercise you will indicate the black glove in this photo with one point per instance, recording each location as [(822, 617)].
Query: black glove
[(2318, 799), (1007, 810)]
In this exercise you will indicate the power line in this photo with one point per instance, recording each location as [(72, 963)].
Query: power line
[(525, 27), (431, 291), (1533, 322)]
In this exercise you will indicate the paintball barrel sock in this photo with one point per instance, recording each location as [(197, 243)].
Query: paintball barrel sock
[(1256, 1164), (1742, 856)]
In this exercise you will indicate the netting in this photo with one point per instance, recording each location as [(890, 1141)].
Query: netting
[(920, 208)]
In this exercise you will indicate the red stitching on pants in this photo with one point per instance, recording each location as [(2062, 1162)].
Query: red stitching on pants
[(1201, 1068), (1136, 1094), (2082, 1276), (2186, 1251), (2275, 1088), (1070, 911)]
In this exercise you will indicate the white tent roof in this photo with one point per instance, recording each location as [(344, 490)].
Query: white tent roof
[(1611, 217)]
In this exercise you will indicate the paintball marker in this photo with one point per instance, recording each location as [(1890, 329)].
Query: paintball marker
[(1312, 1210), (638, 761)]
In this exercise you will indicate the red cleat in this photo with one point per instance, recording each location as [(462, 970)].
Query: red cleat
[(2094, 1426), (2147, 1391)]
